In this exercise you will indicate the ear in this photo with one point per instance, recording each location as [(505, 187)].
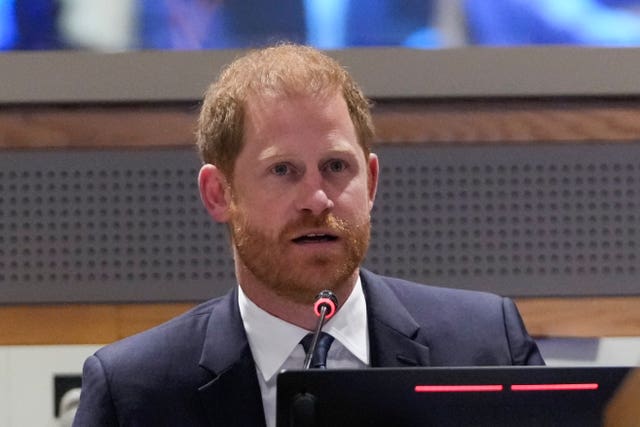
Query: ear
[(215, 192), (374, 169)]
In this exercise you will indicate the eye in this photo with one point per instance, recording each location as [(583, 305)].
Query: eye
[(281, 169), (336, 166)]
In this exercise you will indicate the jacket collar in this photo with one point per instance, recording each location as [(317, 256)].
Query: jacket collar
[(232, 397), (393, 332)]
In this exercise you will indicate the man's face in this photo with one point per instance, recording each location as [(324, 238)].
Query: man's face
[(302, 192)]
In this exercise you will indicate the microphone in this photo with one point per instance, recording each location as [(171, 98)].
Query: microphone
[(303, 407), (325, 307)]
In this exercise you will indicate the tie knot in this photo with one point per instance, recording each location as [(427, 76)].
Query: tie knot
[(319, 358)]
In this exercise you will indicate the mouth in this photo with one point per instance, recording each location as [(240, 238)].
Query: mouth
[(315, 238)]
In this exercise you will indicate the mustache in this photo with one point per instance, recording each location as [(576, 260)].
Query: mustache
[(328, 222), (325, 221), (242, 231)]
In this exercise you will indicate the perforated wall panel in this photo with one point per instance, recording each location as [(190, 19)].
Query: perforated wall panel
[(107, 226), (517, 220)]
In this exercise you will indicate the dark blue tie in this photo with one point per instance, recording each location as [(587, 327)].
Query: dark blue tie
[(319, 358)]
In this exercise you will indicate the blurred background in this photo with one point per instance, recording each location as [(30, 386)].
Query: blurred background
[(122, 25)]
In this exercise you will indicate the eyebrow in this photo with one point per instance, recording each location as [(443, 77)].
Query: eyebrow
[(270, 153), (274, 153)]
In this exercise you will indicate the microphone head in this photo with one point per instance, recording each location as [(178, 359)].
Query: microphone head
[(329, 301)]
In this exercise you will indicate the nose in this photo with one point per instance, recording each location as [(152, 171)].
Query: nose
[(312, 195)]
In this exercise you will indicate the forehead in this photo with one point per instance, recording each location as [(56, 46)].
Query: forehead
[(272, 118), (276, 103)]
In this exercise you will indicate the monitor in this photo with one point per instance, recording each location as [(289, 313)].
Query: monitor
[(447, 396)]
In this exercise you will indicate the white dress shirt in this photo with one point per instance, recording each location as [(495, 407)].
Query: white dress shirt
[(275, 344)]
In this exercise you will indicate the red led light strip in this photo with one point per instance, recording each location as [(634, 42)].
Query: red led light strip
[(457, 388), (554, 387), (499, 387)]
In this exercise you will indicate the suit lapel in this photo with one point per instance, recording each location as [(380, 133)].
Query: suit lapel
[(393, 332), (232, 397)]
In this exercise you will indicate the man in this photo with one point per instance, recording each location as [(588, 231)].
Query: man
[(284, 135)]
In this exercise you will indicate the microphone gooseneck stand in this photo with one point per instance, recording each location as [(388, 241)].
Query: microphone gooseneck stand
[(303, 408)]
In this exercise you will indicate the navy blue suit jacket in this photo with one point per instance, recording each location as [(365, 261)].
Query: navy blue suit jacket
[(197, 369)]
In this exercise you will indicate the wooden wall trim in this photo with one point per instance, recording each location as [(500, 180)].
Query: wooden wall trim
[(97, 126), (581, 317), (105, 323), (468, 121), (80, 323), (496, 121)]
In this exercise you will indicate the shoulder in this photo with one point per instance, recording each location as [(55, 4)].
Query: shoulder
[(461, 327), (134, 378), (180, 338), (421, 296), (449, 314)]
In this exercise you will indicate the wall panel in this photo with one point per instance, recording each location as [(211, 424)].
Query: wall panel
[(434, 123)]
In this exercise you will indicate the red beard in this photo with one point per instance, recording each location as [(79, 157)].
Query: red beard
[(275, 261)]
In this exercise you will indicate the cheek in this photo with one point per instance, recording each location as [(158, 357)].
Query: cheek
[(265, 215), (355, 201), (250, 201)]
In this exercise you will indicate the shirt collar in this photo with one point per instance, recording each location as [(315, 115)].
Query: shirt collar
[(272, 340)]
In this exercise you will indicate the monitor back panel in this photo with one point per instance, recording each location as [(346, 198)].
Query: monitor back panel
[(482, 397)]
